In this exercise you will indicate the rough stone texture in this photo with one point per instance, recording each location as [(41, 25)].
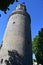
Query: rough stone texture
[(18, 36)]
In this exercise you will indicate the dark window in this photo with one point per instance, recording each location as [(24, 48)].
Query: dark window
[(13, 22)]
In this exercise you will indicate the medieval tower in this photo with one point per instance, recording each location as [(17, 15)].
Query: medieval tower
[(17, 38)]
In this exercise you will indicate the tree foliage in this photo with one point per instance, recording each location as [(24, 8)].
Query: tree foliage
[(37, 47), (4, 4), (34, 44)]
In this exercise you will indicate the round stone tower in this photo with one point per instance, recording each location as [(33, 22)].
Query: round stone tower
[(17, 38)]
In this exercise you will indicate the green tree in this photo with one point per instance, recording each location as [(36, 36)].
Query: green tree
[(37, 47), (34, 44)]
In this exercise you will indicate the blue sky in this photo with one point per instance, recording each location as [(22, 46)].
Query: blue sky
[(34, 8)]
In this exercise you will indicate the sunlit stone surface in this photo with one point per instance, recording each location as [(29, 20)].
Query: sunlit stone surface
[(17, 39)]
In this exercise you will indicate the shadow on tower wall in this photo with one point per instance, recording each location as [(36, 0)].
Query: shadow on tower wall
[(28, 41), (14, 58)]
